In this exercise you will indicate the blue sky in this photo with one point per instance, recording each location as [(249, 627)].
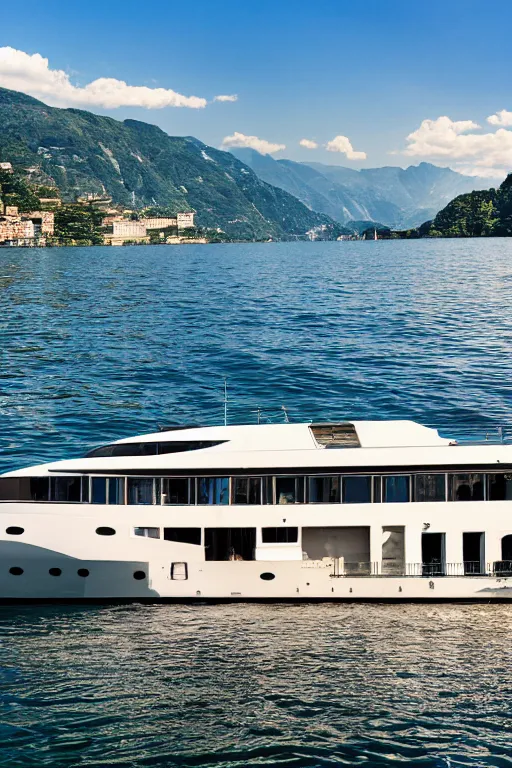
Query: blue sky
[(368, 72)]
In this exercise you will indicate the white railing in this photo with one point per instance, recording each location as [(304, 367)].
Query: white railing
[(343, 569)]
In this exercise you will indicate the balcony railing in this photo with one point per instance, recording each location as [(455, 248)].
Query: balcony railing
[(470, 568)]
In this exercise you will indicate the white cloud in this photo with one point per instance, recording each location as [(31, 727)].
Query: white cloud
[(32, 74), (226, 97), (500, 118), (260, 145), (443, 137), (342, 144), (457, 140), (308, 144)]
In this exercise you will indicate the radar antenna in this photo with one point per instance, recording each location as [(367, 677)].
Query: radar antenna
[(225, 402)]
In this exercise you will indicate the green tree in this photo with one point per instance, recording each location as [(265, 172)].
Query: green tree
[(78, 225), (14, 190)]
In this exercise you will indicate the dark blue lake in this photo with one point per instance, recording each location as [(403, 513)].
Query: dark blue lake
[(102, 343)]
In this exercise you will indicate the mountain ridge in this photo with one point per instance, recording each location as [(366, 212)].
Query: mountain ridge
[(397, 197), (137, 164)]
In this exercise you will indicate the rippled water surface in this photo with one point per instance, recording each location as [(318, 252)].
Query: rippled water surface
[(235, 686), (101, 343)]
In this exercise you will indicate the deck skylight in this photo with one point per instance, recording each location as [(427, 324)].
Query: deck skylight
[(335, 435)]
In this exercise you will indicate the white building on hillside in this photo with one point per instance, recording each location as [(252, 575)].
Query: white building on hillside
[(129, 229), (185, 220), (160, 222)]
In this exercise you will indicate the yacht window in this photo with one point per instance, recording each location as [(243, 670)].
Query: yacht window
[(116, 490), (104, 530), (246, 490), (85, 489), (124, 449), (466, 487), (357, 489), (430, 488), (282, 535), (324, 490), (39, 488), (396, 488), (183, 535), (65, 488), (99, 490), (14, 530), (151, 449), (140, 490), (377, 489), (148, 533), (213, 490), (177, 490), (500, 487), (19, 488), (289, 490)]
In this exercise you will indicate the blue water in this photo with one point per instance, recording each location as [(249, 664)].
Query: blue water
[(101, 343)]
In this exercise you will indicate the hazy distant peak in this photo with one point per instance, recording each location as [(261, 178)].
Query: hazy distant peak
[(391, 195)]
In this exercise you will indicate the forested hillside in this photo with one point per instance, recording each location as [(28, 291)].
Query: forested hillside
[(477, 214), (139, 165)]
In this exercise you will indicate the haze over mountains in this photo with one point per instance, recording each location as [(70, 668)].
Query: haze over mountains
[(395, 197)]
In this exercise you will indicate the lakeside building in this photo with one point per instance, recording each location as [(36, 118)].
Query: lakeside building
[(55, 201), (160, 222), (124, 230), (185, 220), (25, 229)]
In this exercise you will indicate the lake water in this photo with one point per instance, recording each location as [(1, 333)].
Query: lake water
[(102, 343)]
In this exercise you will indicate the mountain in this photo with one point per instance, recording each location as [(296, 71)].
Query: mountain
[(397, 197), (139, 165), (486, 213)]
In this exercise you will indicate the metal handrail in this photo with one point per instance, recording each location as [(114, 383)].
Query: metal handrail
[(479, 435), (469, 568)]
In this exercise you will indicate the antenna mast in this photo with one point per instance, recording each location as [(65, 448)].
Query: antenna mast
[(284, 408), (225, 402)]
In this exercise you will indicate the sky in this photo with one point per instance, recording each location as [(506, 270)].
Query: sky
[(356, 83)]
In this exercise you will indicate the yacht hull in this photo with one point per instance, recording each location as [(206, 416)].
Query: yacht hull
[(54, 577)]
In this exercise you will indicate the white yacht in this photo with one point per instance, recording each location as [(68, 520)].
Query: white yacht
[(363, 510)]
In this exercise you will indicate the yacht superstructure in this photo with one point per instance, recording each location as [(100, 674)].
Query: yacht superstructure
[(362, 510)]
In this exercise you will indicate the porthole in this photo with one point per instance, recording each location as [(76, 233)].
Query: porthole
[(267, 576), (83, 572), (139, 575), (105, 531), (15, 571), (55, 571), (14, 530)]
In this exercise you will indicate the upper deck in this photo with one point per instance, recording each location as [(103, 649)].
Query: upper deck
[(284, 447)]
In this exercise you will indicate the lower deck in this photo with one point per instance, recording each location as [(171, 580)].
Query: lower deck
[(364, 551)]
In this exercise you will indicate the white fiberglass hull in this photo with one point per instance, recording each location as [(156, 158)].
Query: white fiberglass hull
[(240, 581)]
